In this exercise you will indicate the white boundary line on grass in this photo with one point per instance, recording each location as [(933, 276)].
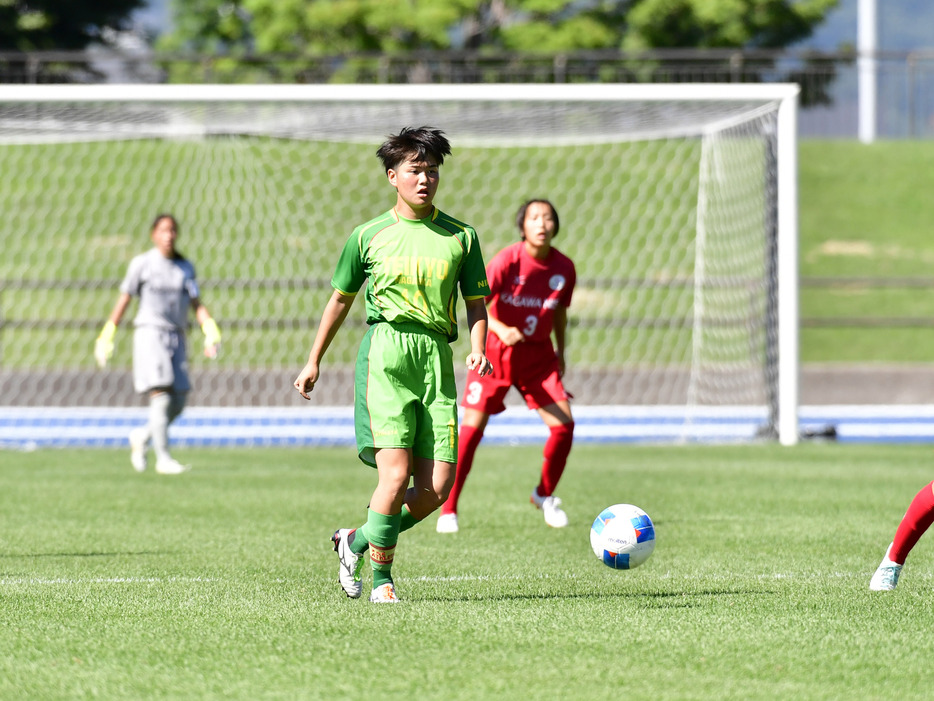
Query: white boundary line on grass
[(666, 575), (70, 581), (10, 581)]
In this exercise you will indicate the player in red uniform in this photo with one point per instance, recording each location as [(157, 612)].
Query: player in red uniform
[(531, 284), (917, 519)]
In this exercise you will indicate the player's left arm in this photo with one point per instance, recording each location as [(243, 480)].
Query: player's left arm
[(212, 334), (477, 323), (104, 345), (559, 328), (560, 320)]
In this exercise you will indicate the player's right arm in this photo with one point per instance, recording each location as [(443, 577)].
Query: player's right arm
[(509, 335), (335, 311), (104, 345), (477, 323), (497, 272)]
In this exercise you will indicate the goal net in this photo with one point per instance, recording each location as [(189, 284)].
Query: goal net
[(677, 204)]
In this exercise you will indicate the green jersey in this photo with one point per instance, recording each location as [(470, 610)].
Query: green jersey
[(414, 269)]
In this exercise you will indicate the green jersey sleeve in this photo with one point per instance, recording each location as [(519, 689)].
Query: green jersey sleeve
[(473, 282), (350, 273)]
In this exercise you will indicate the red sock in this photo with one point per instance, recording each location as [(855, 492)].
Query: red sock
[(916, 521), (557, 449), (467, 443)]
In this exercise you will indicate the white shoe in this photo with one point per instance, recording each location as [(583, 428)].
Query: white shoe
[(170, 466), (447, 523), (885, 577), (138, 449), (551, 507), (384, 594), (348, 571)]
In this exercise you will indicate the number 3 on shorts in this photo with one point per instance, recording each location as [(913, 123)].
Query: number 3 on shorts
[(474, 391)]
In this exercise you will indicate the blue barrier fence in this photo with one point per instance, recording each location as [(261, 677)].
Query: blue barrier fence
[(34, 428)]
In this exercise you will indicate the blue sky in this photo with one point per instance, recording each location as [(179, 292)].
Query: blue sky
[(155, 16), (904, 25)]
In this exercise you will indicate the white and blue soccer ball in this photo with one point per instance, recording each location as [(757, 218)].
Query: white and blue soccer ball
[(622, 536)]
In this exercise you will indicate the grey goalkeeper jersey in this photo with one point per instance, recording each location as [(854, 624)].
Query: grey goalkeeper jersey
[(165, 289)]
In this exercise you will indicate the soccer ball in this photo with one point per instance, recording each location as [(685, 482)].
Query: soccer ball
[(622, 536)]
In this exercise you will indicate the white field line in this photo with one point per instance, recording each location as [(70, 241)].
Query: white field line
[(665, 576), (71, 581), (15, 581)]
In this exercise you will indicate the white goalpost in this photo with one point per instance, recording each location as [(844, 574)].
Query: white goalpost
[(678, 204)]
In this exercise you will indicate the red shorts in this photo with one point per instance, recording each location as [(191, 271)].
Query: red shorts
[(532, 368)]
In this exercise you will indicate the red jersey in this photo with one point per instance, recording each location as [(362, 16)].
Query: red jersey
[(524, 291)]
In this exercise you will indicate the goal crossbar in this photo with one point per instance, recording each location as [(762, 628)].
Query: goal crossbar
[(697, 92)]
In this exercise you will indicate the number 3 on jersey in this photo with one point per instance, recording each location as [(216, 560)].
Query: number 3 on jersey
[(531, 323)]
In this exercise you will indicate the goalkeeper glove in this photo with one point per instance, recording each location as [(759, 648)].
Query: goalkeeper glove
[(212, 338), (104, 345)]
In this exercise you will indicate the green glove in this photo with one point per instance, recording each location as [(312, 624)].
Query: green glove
[(212, 338), (104, 345)]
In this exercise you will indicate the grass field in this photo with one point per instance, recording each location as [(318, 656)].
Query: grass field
[(220, 584), (863, 213)]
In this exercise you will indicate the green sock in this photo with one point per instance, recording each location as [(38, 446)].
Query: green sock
[(408, 520), (382, 533), (359, 543)]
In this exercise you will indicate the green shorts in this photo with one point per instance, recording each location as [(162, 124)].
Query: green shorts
[(405, 393)]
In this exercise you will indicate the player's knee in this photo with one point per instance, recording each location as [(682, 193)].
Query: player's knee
[(394, 481), (565, 431), (441, 495)]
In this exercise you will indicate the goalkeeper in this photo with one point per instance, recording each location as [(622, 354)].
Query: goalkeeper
[(165, 283)]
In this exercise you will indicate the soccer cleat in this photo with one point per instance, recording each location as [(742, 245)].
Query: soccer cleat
[(170, 466), (348, 572), (551, 507), (384, 594), (138, 449), (885, 577), (447, 523)]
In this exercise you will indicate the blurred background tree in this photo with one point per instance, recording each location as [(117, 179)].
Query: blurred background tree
[(329, 27), (719, 24), (61, 25), (357, 33)]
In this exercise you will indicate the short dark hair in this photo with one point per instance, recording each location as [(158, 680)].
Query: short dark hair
[(421, 142), (520, 215)]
